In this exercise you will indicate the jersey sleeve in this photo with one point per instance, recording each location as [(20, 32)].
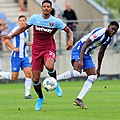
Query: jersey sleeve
[(31, 20), (97, 34), (60, 24)]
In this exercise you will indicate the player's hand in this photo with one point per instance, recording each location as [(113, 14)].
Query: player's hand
[(98, 72), (6, 38), (80, 66), (69, 45), (29, 43), (16, 49)]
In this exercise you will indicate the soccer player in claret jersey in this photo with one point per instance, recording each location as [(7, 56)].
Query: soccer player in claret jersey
[(19, 57), (44, 47), (81, 58)]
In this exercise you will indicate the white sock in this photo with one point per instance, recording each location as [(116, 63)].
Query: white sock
[(28, 83), (7, 75), (86, 87), (68, 74)]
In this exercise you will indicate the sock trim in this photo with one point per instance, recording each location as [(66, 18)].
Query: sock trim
[(36, 84), (51, 71)]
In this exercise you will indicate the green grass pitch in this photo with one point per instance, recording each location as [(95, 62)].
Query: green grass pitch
[(103, 102)]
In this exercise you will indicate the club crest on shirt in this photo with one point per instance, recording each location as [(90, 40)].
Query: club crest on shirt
[(51, 24)]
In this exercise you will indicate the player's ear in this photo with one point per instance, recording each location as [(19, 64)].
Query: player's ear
[(51, 9)]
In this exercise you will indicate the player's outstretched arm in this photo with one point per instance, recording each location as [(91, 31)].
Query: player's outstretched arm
[(18, 31), (100, 58), (70, 34)]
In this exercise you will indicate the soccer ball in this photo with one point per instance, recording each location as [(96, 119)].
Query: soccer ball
[(50, 83)]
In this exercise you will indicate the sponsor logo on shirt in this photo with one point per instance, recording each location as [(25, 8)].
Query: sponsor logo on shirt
[(95, 36), (98, 44), (43, 29)]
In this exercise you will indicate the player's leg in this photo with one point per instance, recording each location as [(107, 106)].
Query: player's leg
[(88, 83), (26, 67), (10, 75), (28, 82), (49, 64), (86, 87), (38, 89), (68, 75), (49, 59), (72, 73), (6, 75), (37, 67), (15, 65), (89, 68)]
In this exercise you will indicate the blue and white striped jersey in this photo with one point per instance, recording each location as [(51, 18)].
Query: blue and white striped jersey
[(99, 37), (19, 41)]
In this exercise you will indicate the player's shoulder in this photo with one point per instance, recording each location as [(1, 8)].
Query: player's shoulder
[(55, 18), (100, 29), (36, 16)]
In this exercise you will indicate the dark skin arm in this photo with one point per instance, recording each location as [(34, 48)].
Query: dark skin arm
[(18, 31), (85, 45), (70, 34), (100, 58)]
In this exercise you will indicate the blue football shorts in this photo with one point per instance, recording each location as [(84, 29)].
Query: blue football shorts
[(87, 60), (17, 63)]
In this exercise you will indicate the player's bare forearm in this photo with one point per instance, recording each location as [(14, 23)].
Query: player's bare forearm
[(18, 31), (70, 34), (69, 45), (10, 45), (100, 56)]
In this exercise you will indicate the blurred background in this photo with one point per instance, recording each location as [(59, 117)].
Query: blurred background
[(85, 15)]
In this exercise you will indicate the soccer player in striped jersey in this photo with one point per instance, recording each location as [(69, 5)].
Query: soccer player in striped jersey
[(44, 47), (19, 57), (81, 58)]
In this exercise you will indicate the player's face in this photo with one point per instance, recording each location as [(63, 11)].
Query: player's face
[(46, 8), (22, 21), (112, 29)]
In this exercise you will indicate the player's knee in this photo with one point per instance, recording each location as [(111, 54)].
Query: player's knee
[(76, 73), (50, 68), (28, 75), (35, 80), (14, 78), (92, 77)]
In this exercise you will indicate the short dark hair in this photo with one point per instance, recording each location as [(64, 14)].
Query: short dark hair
[(22, 16), (114, 23), (47, 1)]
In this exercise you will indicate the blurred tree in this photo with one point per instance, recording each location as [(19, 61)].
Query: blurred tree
[(112, 6)]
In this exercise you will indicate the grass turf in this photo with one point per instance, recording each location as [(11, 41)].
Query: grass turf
[(103, 102)]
